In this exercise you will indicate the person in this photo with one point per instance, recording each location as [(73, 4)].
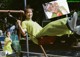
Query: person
[(48, 9), (7, 44), (29, 26), (54, 28), (15, 42), (58, 10)]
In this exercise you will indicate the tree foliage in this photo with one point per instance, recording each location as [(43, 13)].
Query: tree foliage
[(4, 4), (11, 4)]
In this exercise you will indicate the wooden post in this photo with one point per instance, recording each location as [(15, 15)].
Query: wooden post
[(43, 51)]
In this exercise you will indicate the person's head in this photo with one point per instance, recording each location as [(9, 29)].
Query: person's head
[(55, 7), (29, 13), (8, 34), (49, 7)]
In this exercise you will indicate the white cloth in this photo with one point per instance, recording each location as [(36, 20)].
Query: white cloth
[(73, 23)]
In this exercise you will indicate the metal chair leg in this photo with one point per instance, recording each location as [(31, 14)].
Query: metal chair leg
[(27, 45)]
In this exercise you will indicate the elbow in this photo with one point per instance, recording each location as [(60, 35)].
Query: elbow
[(24, 34)]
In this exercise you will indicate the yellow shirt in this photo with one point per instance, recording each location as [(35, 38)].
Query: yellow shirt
[(7, 48), (32, 28)]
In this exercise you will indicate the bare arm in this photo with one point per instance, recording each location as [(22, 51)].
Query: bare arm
[(20, 27)]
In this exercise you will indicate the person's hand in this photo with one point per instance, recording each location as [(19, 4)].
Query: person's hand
[(22, 11), (18, 22)]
